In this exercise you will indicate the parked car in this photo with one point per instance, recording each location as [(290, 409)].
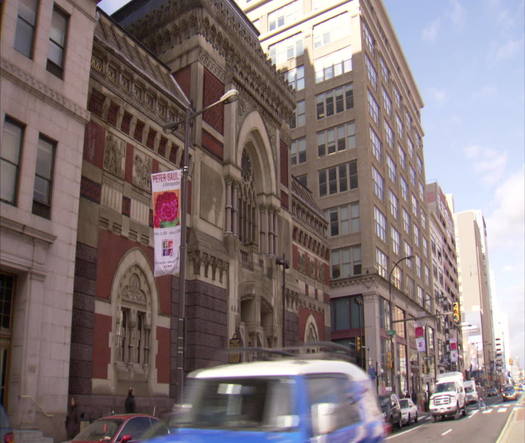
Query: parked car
[(492, 392), (408, 411), (6, 433), (296, 399), (391, 409), (509, 393), (123, 428)]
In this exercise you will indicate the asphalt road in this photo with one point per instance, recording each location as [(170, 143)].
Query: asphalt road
[(482, 425)]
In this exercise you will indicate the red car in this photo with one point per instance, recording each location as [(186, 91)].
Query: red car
[(123, 428)]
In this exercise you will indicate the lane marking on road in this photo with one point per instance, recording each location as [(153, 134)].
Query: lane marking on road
[(446, 432), (400, 433), (487, 411), (502, 410), (473, 413)]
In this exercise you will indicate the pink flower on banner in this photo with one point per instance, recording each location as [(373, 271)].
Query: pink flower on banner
[(166, 210)]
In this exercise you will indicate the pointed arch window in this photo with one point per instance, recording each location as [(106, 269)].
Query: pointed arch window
[(247, 205)]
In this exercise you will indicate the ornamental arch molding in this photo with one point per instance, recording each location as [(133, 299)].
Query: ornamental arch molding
[(311, 332), (134, 309)]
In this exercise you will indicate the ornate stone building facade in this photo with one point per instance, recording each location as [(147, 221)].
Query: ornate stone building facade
[(146, 59)]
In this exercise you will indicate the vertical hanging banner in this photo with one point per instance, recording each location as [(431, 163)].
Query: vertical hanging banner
[(165, 194), (453, 343), (420, 338)]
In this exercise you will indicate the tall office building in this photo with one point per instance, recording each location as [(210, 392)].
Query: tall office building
[(474, 287), (357, 144), (445, 279)]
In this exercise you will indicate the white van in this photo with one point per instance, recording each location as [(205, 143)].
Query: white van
[(449, 397), (471, 392)]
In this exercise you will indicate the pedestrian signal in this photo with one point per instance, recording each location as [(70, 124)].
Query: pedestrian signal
[(358, 344)]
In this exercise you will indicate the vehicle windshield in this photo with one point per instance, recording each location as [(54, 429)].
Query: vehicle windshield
[(239, 403), (404, 403), (104, 429), (445, 387)]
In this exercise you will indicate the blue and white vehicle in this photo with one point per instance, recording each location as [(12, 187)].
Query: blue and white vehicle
[(288, 400)]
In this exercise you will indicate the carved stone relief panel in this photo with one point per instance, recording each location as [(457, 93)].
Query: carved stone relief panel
[(141, 170), (114, 155), (212, 196)]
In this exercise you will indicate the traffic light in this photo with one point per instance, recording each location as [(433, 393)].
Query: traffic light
[(358, 344), (455, 312)]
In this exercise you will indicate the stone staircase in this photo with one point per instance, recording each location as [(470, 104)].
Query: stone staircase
[(26, 436)]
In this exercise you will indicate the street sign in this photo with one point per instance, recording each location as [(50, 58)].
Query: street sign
[(391, 332)]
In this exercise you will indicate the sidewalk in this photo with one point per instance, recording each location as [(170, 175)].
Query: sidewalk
[(514, 430)]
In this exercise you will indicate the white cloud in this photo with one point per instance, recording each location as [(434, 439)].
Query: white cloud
[(430, 31), (485, 91), (457, 12), (506, 224), (488, 163), (438, 95), (509, 49)]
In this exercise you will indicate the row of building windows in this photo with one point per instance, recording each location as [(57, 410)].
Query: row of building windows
[(26, 29), (10, 164)]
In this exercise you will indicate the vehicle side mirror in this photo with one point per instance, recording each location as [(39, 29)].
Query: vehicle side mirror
[(324, 418), (125, 438)]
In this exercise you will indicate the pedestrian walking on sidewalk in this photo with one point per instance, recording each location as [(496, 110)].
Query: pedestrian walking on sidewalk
[(130, 402), (72, 419)]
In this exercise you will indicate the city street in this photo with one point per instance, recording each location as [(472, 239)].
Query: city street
[(485, 424)]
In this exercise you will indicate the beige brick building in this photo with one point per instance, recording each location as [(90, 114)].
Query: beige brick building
[(357, 144), (45, 61)]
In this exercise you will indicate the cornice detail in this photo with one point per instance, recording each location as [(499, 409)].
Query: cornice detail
[(42, 91)]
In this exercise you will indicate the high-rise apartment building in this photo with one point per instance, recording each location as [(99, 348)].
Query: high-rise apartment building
[(357, 144), (445, 279), (474, 288)]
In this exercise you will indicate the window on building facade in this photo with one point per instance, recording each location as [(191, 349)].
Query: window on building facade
[(303, 180), (406, 220), (408, 119), (384, 313), (399, 127), (419, 296), (421, 190), (389, 134), (424, 246), (339, 178), (285, 15), (25, 27), (373, 107), (427, 275), (404, 187), (419, 165), (43, 186), (412, 175), (333, 65), (381, 263), (393, 200), (298, 151), (286, 49), (423, 219), (376, 144), (345, 262), (395, 241), (410, 286), (247, 203), (334, 101), (402, 157), (343, 219), (384, 70), (380, 223), (410, 147), (371, 72), (331, 30), (369, 40), (299, 115), (397, 96), (57, 42), (295, 78), (12, 140), (414, 204), (347, 313), (418, 266), (408, 253), (379, 183), (387, 103), (399, 315), (415, 229), (336, 139), (391, 167)]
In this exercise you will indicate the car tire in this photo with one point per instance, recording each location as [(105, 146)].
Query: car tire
[(415, 418), (435, 418), (400, 424)]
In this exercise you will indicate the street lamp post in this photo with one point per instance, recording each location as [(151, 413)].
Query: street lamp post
[(189, 116), (284, 263), (391, 331)]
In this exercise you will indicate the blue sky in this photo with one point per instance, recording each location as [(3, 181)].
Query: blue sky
[(467, 58)]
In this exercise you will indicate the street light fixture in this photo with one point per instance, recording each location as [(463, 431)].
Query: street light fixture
[(189, 116), (391, 331), (284, 263)]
